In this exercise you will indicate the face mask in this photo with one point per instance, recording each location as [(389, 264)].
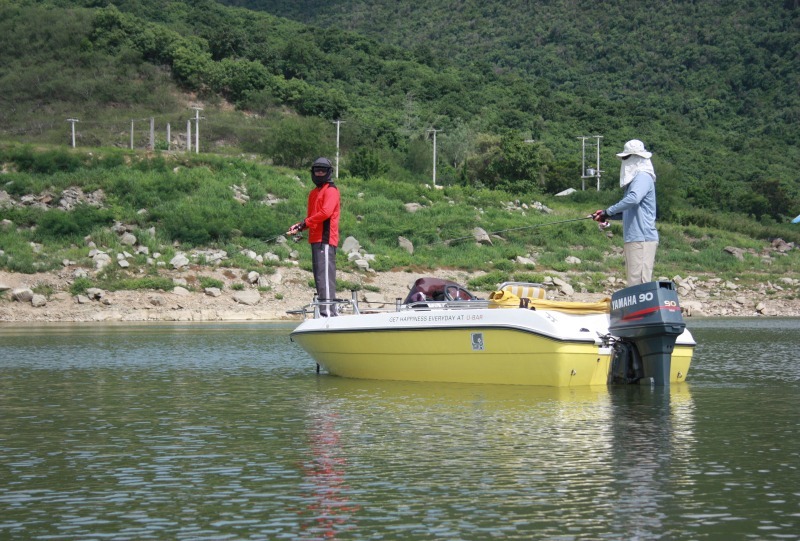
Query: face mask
[(633, 166), (319, 180)]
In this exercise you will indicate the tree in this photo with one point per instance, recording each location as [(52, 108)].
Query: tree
[(297, 141), (366, 163)]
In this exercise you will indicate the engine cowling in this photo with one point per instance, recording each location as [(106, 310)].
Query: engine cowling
[(649, 316)]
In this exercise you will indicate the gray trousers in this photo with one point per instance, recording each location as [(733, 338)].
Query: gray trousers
[(640, 259), (323, 265)]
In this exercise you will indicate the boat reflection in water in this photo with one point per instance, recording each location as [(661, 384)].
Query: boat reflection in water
[(654, 457), (441, 332), (328, 511), (544, 455)]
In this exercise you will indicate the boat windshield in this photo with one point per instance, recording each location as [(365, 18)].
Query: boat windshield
[(437, 289)]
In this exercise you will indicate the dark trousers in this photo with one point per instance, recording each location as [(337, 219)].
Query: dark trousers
[(323, 265)]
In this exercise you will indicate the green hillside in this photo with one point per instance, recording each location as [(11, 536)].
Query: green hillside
[(710, 87), (267, 89), (54, 201)]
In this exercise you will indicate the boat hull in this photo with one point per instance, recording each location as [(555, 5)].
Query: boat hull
[(520, 347)]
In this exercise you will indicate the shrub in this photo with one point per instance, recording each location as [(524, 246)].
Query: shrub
[(80, 285), (57, 224), (149, 282), (488, 281), (206, 281)]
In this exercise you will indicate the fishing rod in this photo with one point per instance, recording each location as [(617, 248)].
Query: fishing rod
[(274, 238), (449, 241)]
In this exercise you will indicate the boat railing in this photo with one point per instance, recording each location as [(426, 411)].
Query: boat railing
[(353, 306), (444, 305)]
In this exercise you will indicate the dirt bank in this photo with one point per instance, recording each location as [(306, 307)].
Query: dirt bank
[(289, 289)]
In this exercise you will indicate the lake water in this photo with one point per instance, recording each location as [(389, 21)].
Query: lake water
[(225, 431)]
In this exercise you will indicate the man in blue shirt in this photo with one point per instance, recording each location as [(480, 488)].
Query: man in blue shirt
[(637, 209)]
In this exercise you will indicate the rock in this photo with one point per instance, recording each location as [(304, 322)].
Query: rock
[(178, 290), (248, 297), (123, 263), (350, 245), (572, 260), (738, 253), (481, 237), (82, 299), (568, 191), (362, 264), (101, 260), (156, 300), (563, 287), (252, 277), (179, 261), (4, 287), (412, 207), (128, 239), (781, 245), (528, 262), (38, 300), (213, 291), (276, 278), (180, 282), (692, 308), (22, 294), (94, 293), (406, 244), (765, 310)]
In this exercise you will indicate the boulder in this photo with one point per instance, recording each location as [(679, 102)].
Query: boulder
[(38, 300), (406, 244), (179, 261), (248, 297), (481, 236), (212, 291), (22, 294)]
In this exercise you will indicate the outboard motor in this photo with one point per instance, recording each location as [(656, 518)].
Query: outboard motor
[(648, 317)]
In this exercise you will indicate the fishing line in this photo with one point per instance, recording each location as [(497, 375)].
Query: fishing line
[(510, 229)]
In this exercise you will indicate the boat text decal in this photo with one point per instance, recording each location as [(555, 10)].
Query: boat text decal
[(434, 318)]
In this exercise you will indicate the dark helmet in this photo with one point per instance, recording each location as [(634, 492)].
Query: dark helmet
[(324, 165)]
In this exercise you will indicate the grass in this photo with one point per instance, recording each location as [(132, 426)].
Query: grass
[(188, 202)]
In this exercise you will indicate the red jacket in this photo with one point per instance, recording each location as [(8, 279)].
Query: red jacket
[(323, 214)]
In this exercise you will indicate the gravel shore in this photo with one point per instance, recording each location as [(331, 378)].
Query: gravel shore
[(290, 289)]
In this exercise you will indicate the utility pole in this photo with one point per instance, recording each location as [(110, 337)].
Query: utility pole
[(197, 129), (590, 172), (189, 135), (434, 130), (337, 122), (152, 133), (132, 121), (169, 141), (73, 121)]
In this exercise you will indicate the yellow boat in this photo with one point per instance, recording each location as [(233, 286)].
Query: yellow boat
[(441, 332)]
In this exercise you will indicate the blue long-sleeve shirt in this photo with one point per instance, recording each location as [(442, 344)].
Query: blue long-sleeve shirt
[(637, 209)]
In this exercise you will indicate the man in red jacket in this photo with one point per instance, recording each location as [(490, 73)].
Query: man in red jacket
[(322, 222)]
